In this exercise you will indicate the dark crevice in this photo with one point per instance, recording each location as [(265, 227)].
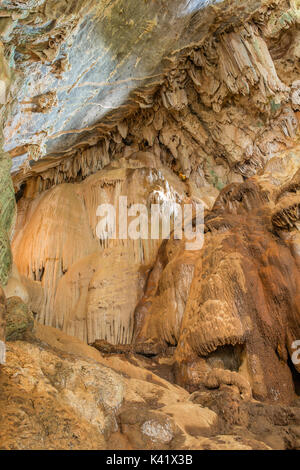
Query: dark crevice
[(20, 192), (228, 356)]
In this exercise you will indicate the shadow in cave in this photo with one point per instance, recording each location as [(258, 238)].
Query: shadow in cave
[(228, 356)]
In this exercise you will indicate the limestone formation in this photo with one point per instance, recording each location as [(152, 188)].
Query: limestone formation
[(217, 377), (15, 286), (243, 295), (83, 271), (120, 342)]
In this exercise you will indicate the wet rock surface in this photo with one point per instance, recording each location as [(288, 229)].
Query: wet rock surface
[(241, 310)]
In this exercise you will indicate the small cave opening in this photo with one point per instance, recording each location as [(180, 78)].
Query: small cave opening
[(228, 357), (295, 376), (20, 193)]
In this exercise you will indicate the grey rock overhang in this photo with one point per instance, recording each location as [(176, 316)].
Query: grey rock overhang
[(82, 64)]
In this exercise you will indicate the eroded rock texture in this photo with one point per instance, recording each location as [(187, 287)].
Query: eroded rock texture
[(100, 403), (172, 102), (241, 306)]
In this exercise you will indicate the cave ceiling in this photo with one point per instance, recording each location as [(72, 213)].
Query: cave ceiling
[(79, 66)]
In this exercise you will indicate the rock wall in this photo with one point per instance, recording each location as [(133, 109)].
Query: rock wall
[(79, 280), (7, 199), (224, 107), (240, 308), (65, 93), (220, 128)]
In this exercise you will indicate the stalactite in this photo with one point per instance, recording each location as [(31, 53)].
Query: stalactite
[(72, 267)]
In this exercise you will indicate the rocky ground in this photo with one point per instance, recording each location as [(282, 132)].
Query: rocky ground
[(56, 392)]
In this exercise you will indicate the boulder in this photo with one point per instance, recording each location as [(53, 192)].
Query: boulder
[(19, 319)]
